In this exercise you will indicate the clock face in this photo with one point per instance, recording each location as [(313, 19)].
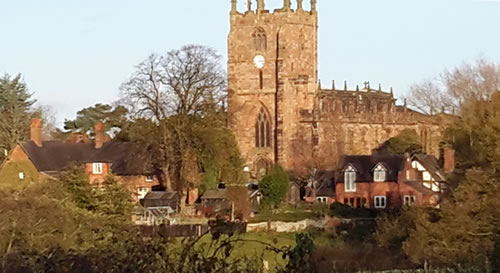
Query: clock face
[(259, 61)]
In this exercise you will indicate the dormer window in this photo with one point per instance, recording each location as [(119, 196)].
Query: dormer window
[(96, 168), (149, 178), (350, 179), (379, 173)]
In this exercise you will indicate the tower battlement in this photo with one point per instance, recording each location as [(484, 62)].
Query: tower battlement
[(262, 10)]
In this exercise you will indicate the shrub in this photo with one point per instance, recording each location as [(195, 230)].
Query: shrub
[(274, 186)]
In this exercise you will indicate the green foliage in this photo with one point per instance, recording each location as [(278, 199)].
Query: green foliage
[(76, 182), (209, 179), (137, 255), (274, 186), (300, 256), (394, 229), (475, 135), (88, 117), (407, 141), (42, 216), (15, 112), (466, 227), (114, 200)]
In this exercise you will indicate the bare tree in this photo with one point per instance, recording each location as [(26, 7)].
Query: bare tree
[(426, 96), (48, 116), (453, 87), (182, 82), (173, 90)]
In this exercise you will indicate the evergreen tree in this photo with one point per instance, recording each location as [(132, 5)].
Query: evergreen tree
[(15, 112)]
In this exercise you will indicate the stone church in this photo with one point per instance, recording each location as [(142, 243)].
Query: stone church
[(280, 113)]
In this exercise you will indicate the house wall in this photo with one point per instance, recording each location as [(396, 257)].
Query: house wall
[(17, 162), (97, 179), (135, 182), (368, 191)]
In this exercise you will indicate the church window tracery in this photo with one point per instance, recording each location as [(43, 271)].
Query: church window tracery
[(262, 130)]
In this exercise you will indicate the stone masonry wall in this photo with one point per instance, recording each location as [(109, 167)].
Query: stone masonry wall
[(302, 116)]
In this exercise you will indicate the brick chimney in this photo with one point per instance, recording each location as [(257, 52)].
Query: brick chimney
[(36, 131), (99, 135), (449, 160), (407, 173)]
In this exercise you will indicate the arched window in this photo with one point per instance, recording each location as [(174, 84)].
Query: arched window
[(262, 130), (260, 39)]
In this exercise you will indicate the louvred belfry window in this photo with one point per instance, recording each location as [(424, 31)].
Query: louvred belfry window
[(260, 39), (262, 130)]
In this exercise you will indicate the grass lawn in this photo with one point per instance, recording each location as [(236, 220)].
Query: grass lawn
[(253, 245)]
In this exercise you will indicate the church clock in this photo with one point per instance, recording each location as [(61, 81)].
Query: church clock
[(259, 61)]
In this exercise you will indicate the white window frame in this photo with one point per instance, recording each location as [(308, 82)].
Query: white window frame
[(21, 176), (97, 168), (379, 173), (149, 178), (350, 179), (378, 200)]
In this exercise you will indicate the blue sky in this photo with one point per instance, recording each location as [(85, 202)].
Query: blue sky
[(75, 53)]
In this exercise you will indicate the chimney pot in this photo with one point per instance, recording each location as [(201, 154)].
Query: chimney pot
[(36, 131)]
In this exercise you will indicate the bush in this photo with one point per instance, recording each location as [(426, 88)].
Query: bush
[(274, 187), (342, 210)]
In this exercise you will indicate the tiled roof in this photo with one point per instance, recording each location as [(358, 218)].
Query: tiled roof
[(215, 194), (126, 158), (156, 195), (364, 165)]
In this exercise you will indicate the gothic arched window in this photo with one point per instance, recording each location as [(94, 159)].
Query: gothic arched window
[(260, 39), (262, 130)]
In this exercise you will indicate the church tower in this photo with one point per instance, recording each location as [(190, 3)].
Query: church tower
[(272, 79)]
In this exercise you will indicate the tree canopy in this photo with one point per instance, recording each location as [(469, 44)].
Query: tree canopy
[(407, 141), (111, 117), (176, 103), (16, 111)]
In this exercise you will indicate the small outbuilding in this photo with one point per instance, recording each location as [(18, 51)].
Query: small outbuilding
[(216, 200), (161, 199)]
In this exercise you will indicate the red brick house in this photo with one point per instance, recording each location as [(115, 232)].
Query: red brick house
[(384, 181), (30, 160)]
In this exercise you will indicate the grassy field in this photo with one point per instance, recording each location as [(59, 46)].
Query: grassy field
[(255, 245)]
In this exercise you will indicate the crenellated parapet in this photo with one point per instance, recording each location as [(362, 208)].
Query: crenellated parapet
[(287, 7)]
